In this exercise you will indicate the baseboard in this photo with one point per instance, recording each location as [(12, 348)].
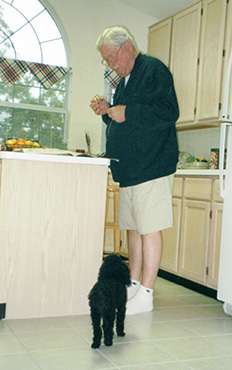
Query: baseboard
[(188, 284), (2, 310)]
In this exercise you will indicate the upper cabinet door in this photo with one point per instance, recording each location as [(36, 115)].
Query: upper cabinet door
[(228, 50), (211, 51), (184, 59), (159, 40)]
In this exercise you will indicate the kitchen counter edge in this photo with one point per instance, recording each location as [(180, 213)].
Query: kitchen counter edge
[(192, 172), (54, 158)]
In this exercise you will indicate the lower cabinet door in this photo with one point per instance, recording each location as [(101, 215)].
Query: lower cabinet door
[(194, 240), (214, 245)]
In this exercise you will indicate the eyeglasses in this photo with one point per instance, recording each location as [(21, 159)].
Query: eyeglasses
[(110, 60)]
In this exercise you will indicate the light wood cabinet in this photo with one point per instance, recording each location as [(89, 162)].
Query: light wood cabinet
[(159, 41), (184, 59), (228, 43), (194, 240), (52, 214), (214, 245), (211, 59), (199, 49), (191, 248)]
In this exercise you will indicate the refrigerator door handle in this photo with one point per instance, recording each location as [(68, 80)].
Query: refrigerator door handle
[(223, 129)]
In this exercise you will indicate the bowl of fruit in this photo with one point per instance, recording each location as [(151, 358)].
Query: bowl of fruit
[(18, 143)]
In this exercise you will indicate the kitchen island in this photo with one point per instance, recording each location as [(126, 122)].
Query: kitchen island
[(52, 214)]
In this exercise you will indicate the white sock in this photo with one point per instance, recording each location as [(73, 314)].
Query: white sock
[(133, 289), (142, 301)]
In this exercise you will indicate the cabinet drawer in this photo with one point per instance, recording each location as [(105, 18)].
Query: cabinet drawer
[(177, 187), (196, 188), (216, 192)]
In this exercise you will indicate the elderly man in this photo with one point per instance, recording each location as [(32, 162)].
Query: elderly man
[(141, 133)]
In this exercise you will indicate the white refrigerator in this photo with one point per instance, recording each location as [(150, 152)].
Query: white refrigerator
[(225, 266)]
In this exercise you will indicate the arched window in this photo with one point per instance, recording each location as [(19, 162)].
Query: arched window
[(28, 109)]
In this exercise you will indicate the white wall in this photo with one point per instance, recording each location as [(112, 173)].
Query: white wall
[(83, 21), (199, 142)]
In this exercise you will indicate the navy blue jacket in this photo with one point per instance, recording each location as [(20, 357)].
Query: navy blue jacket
[(145, 143)]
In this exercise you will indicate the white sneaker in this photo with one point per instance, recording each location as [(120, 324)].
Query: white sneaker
[(133, 289), (142, 302)]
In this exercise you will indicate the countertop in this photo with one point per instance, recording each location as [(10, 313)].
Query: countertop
[(192, 172), (58, 158)]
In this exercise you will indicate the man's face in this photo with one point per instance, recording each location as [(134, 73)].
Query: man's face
[(120, 59)]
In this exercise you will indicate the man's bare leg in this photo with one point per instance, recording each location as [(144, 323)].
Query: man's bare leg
[(151, 255), (135, 261), (152, 248), (135, 254)]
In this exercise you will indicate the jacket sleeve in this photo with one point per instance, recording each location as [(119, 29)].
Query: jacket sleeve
[(157, 106), (106, 119)]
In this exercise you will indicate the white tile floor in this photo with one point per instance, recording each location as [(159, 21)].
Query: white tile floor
[(187, 331)]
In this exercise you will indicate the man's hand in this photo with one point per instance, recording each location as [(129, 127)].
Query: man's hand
[(99, 105), (117, 113)]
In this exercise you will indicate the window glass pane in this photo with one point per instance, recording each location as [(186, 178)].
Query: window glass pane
[(6, 50), (11, 17), (54, 53), (51, 133), (3, 34), (29, 91), (46, 127), (41, 44), (45, 27), (28, 7), (5, 119), (26, 95), (6, 93), (53, 98), (26, 44)]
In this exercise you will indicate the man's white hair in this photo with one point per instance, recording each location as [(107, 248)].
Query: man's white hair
[(115, 36)]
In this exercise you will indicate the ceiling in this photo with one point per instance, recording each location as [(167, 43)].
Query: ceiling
[(159, 8)]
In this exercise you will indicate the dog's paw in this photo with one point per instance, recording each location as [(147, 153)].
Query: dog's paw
[(108, 342), (95, 345), (121, 334)]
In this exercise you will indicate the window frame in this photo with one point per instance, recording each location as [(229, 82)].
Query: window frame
[(39, 107)]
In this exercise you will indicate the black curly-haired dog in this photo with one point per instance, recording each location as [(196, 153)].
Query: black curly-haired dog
[(107, 300)]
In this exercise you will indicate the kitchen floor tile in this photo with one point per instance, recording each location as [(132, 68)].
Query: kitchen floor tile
[(38, 325), (4, 328), (186, 331), (208, 327), (220, 363), (17, 362), (9, 344), (138, 353), (74, 359), (165, 366), (57, 339)]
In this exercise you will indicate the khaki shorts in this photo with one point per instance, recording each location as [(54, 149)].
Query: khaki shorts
[(147, 207)]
